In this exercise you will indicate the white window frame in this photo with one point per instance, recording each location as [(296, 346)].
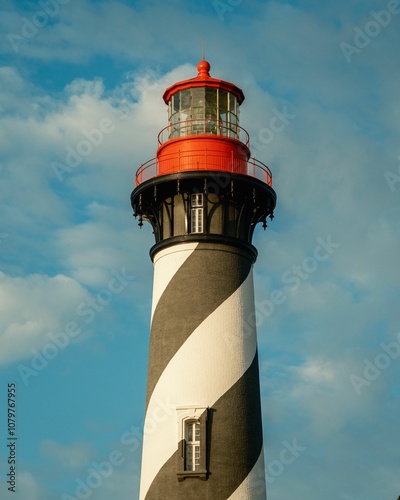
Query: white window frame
[(190, 416), (197, 200), (197, 213), (192, 440)]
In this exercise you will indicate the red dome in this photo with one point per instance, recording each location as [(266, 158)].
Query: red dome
[(203, 79)]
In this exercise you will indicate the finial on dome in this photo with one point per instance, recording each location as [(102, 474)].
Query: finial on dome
[(204, 69)]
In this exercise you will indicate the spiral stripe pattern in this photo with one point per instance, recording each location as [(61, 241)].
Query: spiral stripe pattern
[(203, 352)]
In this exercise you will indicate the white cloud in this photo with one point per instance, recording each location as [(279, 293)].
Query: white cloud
[(13, 97), (28, 488), (129, 32), (31, 308), (104, 476), (89, 250), (68, 456), (123, 483)]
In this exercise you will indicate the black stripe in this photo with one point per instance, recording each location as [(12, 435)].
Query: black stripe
[(234, 446), (206, 279)]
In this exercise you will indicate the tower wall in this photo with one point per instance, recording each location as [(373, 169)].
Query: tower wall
[(203, 358)]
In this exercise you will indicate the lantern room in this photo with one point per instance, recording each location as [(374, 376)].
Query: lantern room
[(203, 110), (203, 131), (203, 105)]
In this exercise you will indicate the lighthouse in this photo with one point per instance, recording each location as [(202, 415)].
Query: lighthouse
[(203, 195)]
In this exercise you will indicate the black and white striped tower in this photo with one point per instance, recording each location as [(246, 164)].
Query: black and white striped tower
[(203, 195)]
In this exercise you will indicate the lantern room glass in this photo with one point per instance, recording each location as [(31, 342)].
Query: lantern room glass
[(203, 110)]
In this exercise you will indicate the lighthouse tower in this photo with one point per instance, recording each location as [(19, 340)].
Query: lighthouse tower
[(203, 195)]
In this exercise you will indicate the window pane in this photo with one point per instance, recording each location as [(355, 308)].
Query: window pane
[(196, 457), (211, 104), (173, 110), (232, 103), (223, 104), (197, 112), (175, 100), (184, 105), (184, 99), (190, 433), (198, 98), (197, 200), (189, 457), (197, 220), (232, 125)]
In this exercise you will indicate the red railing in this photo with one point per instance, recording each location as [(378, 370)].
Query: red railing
[(203, 126), (189, 162)]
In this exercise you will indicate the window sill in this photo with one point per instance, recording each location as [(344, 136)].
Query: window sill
[(184, 474)]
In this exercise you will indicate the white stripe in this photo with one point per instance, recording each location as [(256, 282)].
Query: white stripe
[(205, 367), (253, 487), (166, 264)]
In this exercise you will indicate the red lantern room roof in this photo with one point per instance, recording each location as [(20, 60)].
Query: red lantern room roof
[(203, 79)]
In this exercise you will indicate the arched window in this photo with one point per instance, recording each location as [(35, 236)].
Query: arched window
[(192, 442)]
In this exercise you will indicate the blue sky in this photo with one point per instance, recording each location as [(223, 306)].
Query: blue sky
[(322, 108)]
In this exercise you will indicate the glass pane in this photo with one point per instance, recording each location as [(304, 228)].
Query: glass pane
[(223, 104), (198, 98), (197, 200), (192, 460), (197, 112), (232, 103), (197, 221), (184, 99), (190, 433), (175, 100), (193, 228), (184, 105), (232, 119), (173, 110), (189, 458), (211, 104)]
